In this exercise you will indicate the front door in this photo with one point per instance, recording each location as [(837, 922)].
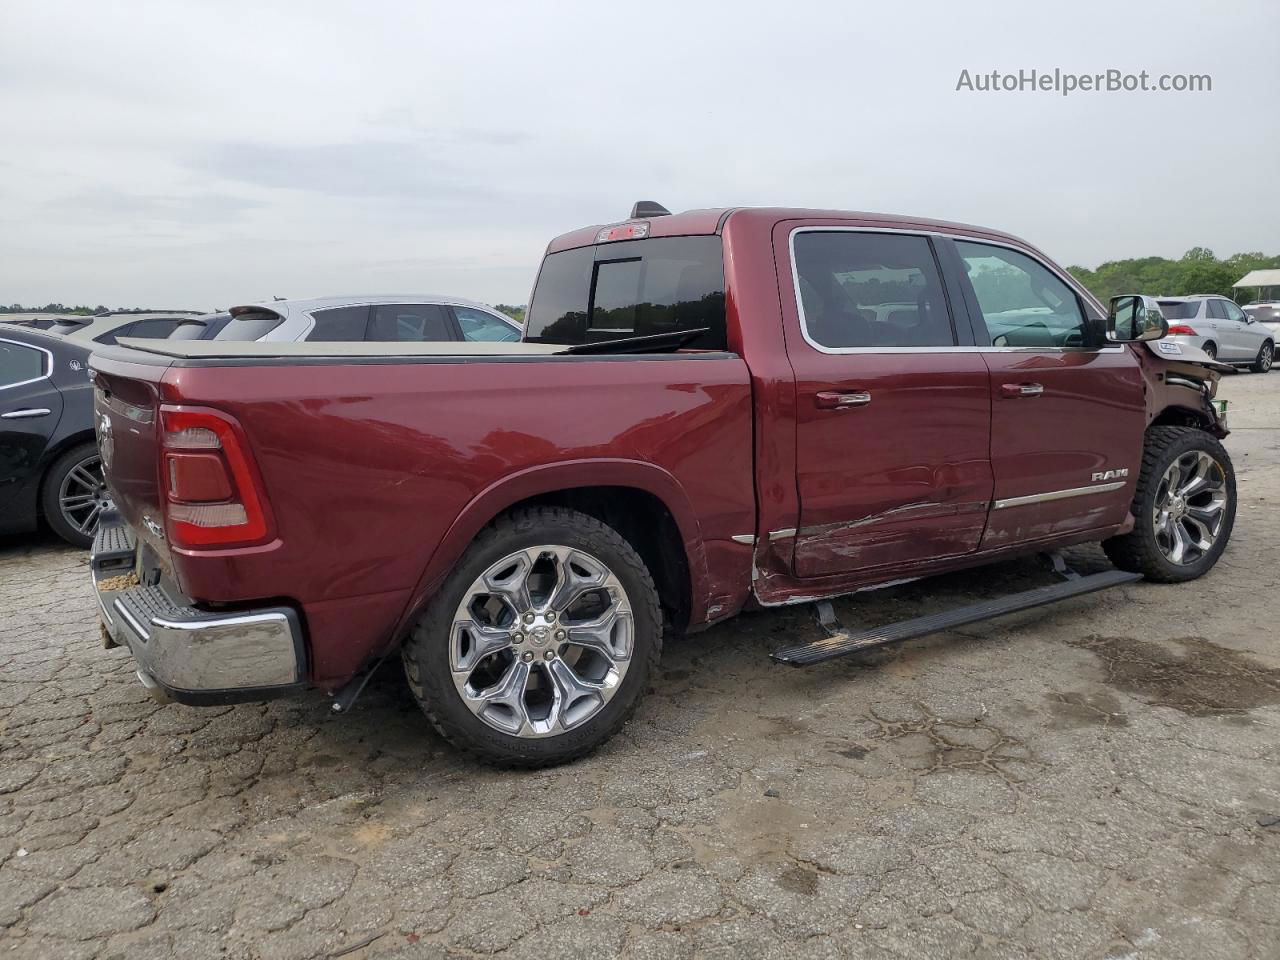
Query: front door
[(1250, 335), (1067, 409), (893, 421)]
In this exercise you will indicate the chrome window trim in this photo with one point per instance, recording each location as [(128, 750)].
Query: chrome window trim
[(1057, 495), (48, 363), (935, 234)]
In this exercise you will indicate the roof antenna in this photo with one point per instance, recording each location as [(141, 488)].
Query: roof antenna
[(648, 208)]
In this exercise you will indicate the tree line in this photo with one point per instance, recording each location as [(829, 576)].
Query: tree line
[(81, 310), (1197, 271)]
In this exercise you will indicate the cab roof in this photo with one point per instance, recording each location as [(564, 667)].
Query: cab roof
[(712, 220)]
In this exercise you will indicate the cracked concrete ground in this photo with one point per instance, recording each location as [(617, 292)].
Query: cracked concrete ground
[(1098, 779)]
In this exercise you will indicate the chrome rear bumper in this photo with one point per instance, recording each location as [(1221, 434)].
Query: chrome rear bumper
[(185, 653)]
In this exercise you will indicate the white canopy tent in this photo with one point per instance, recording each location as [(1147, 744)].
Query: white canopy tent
[(1266, 283)]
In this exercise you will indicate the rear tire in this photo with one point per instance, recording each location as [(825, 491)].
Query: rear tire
[(450, 678), (74, 495), (1266, 355), (1181, 526)]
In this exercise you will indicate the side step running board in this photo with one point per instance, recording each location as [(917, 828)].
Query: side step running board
[(840, 642)]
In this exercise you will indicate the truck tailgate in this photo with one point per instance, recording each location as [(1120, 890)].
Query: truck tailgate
[(127, 398)]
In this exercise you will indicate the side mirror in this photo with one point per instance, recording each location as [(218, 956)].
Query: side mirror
[(1133, 318)]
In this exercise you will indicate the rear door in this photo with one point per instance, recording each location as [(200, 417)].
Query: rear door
[(893, 412), (30, 406), (412, 323), (1067, 408)]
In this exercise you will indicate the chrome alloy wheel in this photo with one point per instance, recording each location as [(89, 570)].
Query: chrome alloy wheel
[(1190, 505), (541, 641), (83, 495), (1265, 357)]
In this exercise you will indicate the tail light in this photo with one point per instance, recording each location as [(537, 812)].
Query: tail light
[(213, 496), (1182, 330)]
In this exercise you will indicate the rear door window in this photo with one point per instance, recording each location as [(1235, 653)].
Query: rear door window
[(410, 322), (633, 288), (867, 290), (340, 324), (1023, 302), (19, 363), (1215, 310)]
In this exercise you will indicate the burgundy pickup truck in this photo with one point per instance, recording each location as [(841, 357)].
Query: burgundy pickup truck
[(712, 410)]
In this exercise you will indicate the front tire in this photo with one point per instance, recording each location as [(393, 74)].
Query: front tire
[(1184, 507), (74, 495), (540, 643), (1266, 355)]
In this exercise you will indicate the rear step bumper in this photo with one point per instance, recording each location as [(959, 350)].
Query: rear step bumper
[(184, 653), (840, 643)]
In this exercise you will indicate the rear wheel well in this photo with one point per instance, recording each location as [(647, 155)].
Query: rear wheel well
[(644, 521)]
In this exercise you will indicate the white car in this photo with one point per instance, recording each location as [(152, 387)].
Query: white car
[(388, 317), (1221, 329)]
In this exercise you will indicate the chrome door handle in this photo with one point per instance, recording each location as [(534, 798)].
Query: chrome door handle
[(26, 414), (1014, 391), (833, 400)]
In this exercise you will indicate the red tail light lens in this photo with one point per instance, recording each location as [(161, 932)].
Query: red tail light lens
[(212, 491), (1181, 330)]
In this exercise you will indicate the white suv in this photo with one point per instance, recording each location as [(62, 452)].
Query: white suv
[(1221, 329)]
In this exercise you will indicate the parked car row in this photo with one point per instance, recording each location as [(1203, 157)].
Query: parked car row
[(49, 464), (707, 411)]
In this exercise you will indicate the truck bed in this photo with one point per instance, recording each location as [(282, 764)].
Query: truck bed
[(380, 463)]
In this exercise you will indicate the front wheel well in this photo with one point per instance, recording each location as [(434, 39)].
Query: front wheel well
[(644, 521), (1182, 417)]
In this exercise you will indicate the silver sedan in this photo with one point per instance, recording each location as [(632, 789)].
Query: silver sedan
[(1221, 329)]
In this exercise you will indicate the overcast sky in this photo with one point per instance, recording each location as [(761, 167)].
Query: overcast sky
[(197, 154)]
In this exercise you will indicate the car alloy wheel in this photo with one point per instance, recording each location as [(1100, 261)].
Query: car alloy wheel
[(83, 496), (541, 641), (1190, 505), (1265, 357)]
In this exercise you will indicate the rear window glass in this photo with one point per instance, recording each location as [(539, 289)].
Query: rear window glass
[(1178, 309), (631, 289), (189, 330), (340, 324), (19, 363), (250, 326), (154, 329)]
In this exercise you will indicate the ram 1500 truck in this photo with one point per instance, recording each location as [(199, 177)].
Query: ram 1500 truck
[(710, 410)]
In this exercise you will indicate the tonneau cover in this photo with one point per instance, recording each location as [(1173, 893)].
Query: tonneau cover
[(210, 349)]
